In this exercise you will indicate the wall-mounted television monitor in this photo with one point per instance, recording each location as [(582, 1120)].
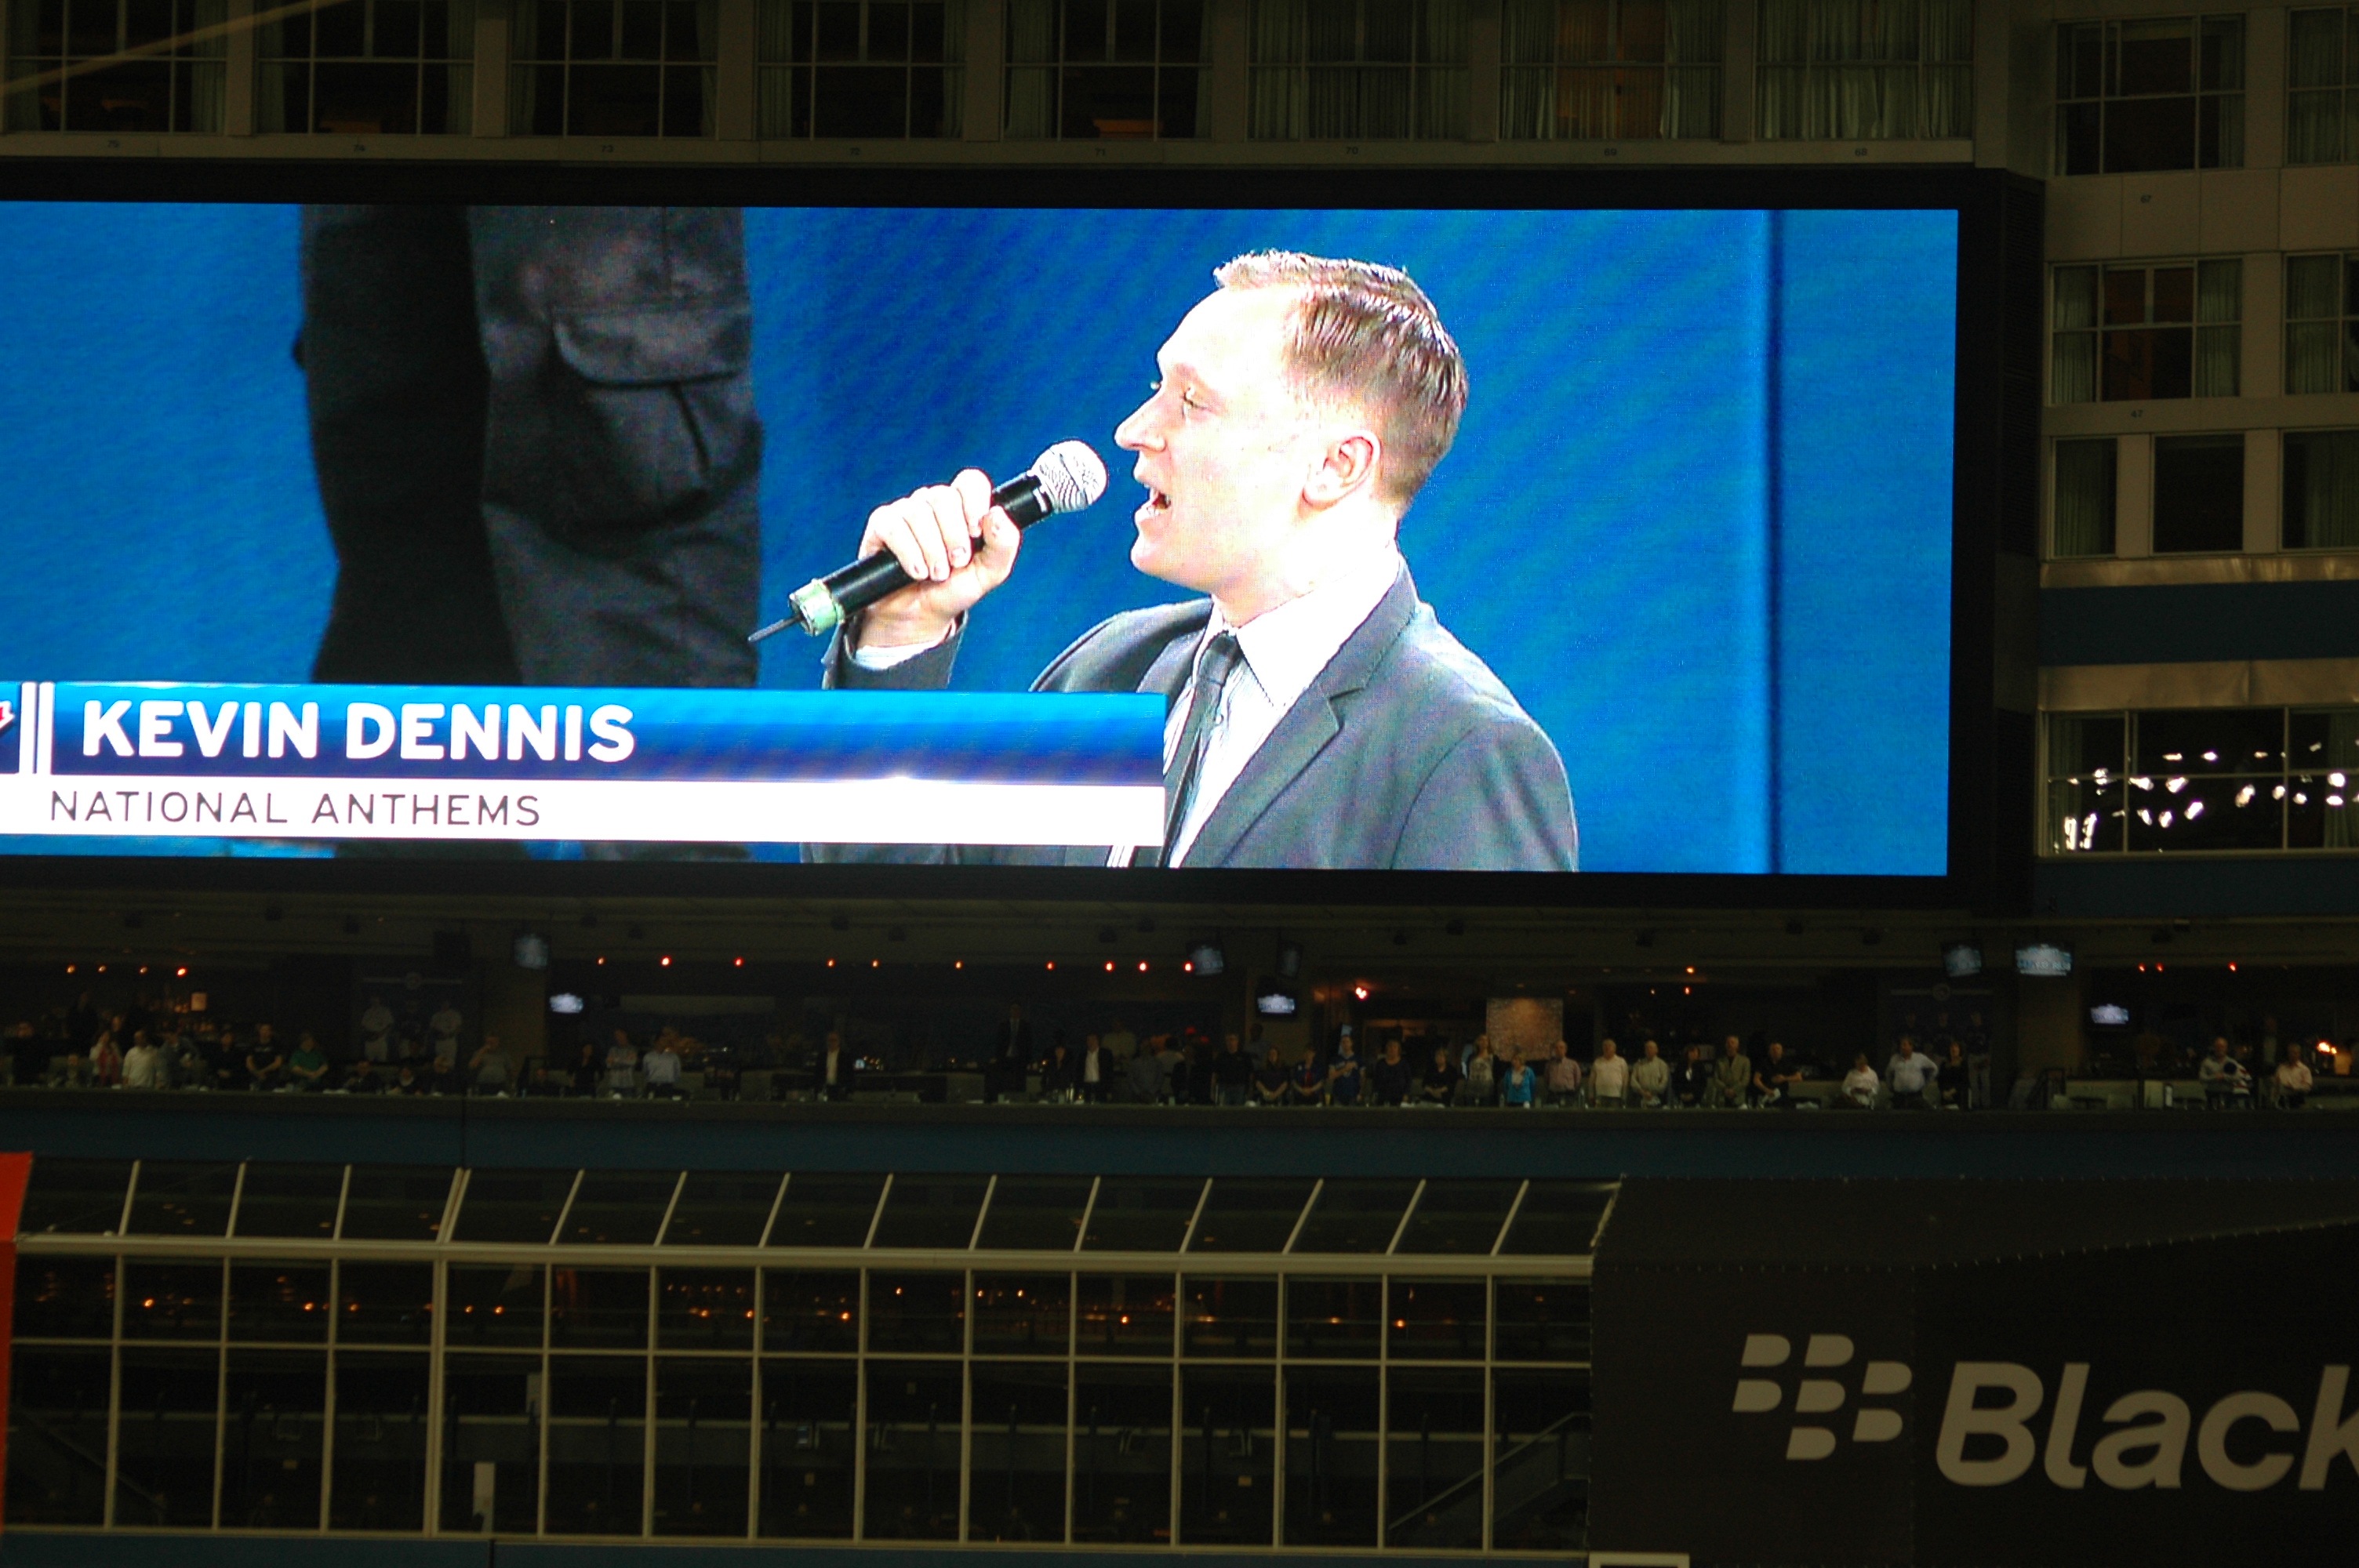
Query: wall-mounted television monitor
[(1531, 537), (2044, 960), (1961, 960), (1275, 1001), (2110, 1015)]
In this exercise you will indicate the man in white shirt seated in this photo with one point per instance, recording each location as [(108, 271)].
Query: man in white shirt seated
[(2223, 1077), (1860, 1085), (1909, 1074), (1609, 1075), (1318, 713), (2293, 1080)]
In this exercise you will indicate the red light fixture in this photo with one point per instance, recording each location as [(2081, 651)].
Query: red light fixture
[(666, 961), (1361, 992), (1142, 966), (741, 963)]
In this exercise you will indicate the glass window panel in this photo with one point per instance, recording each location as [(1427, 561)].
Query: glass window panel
[(1331, 1319), (65, 1298), (274, 1406), (2199, 493), (56, 1437), (171, 1300), (492, 1412), (1126, 1315), (1331, 1438), (723, 1208), (379, 1484), (597, 1458), (1540, 1320), (286, 1302), (340, 29), (1540, 1459), (916, 1311), (1246, 1215), (2214, 741), (1458, 1217), (1142, 1215), (2155, 56), (2321, 490), (75, 1197), (2183, 812), (1122, 1455), (1016, 1464), (1557, 1217), (387, 1304), (181, 1199), (167, 1404), (391, 1202), (1436, 1320), (1228, 1452), (1230, 1317), (512, 1205), (915, 1412), (810, 1310), (809, 1423), (1022, 1314), (502, 1304), (617, 1208), (703, 1446), (603, 1309), (2087, 481), (704, 1309), (931, 1212), (1354, 1216), (827, 1211), (1434, 1459), (1036, 1214), (290, 1200)]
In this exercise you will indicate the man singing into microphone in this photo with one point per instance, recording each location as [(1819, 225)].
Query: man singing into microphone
[(1319, 714)]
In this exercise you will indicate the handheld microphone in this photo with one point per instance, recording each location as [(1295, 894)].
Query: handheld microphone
[(1068, 476)]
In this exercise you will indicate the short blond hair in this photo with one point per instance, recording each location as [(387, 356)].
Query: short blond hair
[(1366, 336)]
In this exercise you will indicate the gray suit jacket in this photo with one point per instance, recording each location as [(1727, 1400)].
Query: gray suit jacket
[(1407, 753)]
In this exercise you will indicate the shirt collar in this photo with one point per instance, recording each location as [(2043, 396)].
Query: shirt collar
[(1285, 648)]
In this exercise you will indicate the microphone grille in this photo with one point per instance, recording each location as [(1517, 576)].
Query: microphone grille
[(1072, 476)]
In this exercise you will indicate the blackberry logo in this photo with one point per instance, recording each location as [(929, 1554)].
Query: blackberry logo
[(1821, 1395)]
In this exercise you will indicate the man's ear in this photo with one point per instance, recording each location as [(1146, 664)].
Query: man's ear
[(1347, 466)]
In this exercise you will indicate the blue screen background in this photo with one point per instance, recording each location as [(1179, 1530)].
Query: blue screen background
[(1697, 517)]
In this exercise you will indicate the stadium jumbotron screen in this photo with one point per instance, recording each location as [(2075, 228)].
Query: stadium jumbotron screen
[(1531, 541)]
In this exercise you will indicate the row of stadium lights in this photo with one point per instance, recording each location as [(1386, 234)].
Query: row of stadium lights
[(1187, 966)]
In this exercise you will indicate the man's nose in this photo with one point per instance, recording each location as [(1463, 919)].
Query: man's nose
[(1132, 434)]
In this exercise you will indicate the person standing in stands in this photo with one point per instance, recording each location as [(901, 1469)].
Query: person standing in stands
[(1438, 1085), (143, 1064), (1516, 1089), (1692, 1081), (1909, 1074), (1344, 1073), (1732, 1076), (1482, 1072), (1390, 1078), (1651, 1078), (660, 1066), (1308, 1083), (1609, 1076), (1270, 1079), (1563, 1079), (1232, 1071)]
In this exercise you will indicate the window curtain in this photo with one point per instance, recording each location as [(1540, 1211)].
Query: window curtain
[(2073, 375), (708, 49), (1861, 69), (1279, 101), (2313, 332), (1442, 84), (1333, 102), (2343, 745), (953, 70), (1946, 105), (209, 70), (1528, 30), (1032, 71), (2314, 118), (2219, 349), (2085, 477), (524, 81), (2326, 489), (774, 47), (1695, 31), (459, 49)]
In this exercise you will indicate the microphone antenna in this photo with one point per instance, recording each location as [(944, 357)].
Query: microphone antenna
[(1068, 476)]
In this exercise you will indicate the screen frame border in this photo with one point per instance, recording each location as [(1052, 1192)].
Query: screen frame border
[(1996, 414)]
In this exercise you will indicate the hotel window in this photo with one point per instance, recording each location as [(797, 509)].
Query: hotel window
[(2085, 484), (2162, 94), (2320, 75), (2322, 323), (2321, 490), (2199, 495), (874, 68), (115, 65), (1611, 70), (612, 68), (1101, 70), (1331, 69), (2129, 333), (2192, 779), (370, 68), (1866, 69)]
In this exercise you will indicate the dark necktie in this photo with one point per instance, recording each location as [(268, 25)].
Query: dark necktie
[(1219, 661)]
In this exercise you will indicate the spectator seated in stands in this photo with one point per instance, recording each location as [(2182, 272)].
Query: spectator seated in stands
[(1609, 1076), (1269, 1080), (363, 1078), (406, 1081), (1732, 1076), (661, 1068), (2292, 1080), (540, 1083), (493, 1069), (622, 1065), (1307, 1083), (1482, 1069), (307, 1069), (1391, 1080), (1060, 1075), (1954, 1077), (1561, 1082), (71, 1071), (1860, 1085), (1691, 1079), (1650, 1078), (1438, 1085), (1344, 1073), (1233, 1073), (1144, 1080), (1519, 1085), (265, 1064), (2226, 1082), (1909, 1076), (143, 1064), (1774, 1080)]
